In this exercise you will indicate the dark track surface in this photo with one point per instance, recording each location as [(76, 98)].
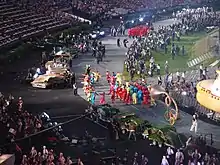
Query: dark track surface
[(62, 102)]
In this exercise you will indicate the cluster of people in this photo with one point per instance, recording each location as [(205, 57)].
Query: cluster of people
[(129, 93), (142, 48), (115, 7), (19, 22), (194, 157), (46, 156), (17, 122)]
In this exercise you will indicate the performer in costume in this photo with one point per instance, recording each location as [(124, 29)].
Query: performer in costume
[(116, 86), (93, 96), (89, 95), (108, 76), (98, 76), (135, 88), (102, 98), (124, 94), (152, 102), (113, 96), (119, 92), (131, 89), (118, 78), (134, 98), (140, 96), (145, 100), (128, 97), (111, 88), (113, 79)]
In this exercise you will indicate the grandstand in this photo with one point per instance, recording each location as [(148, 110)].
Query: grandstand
[(20, 23)]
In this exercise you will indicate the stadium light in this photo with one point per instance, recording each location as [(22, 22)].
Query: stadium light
[(132, 21)]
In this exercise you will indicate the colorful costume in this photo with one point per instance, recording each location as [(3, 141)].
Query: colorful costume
[(146, 96), (128, 98), (124, 94), (108, 76), (93, 96), (119, 78), (134, 98), (111, 88), (102, 98), (113, 96), (140, 96)]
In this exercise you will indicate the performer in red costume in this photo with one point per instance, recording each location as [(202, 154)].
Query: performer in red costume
[(111, 88), (120, 91), (113, 80), (108, 77), (113, 96), (124, 94), (128, 98), (102, 98), (117, 92), (146, 97)]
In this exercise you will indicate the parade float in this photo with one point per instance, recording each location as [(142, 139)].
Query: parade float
[(56, 75), (159, 135), (208, 93), (171, 113)]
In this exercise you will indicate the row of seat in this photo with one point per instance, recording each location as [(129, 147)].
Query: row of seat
[(17, 22)]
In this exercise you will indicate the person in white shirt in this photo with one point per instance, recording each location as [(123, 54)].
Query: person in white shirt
[(200, 70), (179, 157), (164, 161), (183, 77), (169, 152), (194, 125)]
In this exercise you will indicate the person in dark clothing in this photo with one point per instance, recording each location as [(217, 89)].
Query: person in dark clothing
[(118, 42), (125, 42), (73, 79), (70, 63), (75, 89), (88, 70)]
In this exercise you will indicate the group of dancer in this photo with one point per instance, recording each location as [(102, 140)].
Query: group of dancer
[(129, 93)]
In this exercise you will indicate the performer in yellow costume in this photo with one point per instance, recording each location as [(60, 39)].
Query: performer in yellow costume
[(127, 84), (152, 101), (119, 78), (89, 96), (134, 98)]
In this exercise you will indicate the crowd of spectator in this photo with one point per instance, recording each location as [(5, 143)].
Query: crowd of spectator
[(22, 19), (19, 23), (46, 156), (16, 123)]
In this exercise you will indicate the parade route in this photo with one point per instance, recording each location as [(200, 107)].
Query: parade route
[(113, 62)]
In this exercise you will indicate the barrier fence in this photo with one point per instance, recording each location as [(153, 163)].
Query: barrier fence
[(190, 102)]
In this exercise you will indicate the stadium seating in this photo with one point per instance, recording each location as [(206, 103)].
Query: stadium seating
[(18, 23)]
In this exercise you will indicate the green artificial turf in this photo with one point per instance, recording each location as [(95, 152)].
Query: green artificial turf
[(193, 44)]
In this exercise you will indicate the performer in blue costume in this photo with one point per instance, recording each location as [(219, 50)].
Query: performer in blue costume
[(131, 89), (93, 96), (135, 89), (116, 86), (140, 96)]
